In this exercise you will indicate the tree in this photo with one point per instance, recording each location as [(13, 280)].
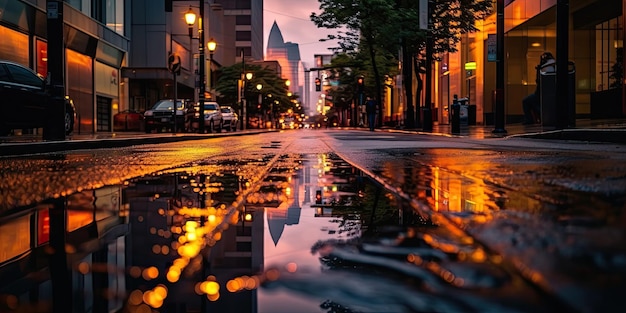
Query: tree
[(391, 25), (273, 85), (363, 20)]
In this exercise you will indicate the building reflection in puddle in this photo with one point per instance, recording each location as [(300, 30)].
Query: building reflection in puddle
[(203, 237)]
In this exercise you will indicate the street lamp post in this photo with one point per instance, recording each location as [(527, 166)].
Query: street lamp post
[(245, 101), (201, 69), (211, 45), (259, 87), (190, 18)]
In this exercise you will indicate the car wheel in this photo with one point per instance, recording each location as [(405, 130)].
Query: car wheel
[(211, 126), (69, 122), (148, 129)]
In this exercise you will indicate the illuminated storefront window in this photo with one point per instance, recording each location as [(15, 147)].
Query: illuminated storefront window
[(42, 58), (14, 46)]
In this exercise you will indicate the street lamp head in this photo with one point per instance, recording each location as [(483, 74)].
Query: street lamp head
[(248, 76), (211, 45), (190, 17)]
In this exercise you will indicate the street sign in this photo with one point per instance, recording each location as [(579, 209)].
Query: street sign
[(423, 14), (52, 10), (491, 48), (173, 63)]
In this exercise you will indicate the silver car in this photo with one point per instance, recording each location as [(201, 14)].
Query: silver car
[(231, 119), (213, 121)]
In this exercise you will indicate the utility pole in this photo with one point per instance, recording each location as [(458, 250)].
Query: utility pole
[(201, 68), (55, 126), (566, 117), (428, 117), (499, 107)]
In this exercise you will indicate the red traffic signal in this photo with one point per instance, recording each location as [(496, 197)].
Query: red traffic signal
[(318, 84), (318, 197), (359, 84)]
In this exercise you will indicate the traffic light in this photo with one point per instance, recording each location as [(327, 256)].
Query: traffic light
[(318, 84), (360, 81), (318, 197)]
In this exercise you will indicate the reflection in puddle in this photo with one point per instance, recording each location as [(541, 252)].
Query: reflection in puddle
[(275, 233)]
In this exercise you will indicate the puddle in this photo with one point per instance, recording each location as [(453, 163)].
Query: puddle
[(269, 233)]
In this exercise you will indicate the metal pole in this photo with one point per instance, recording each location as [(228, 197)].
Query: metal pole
[(563, 108), (499, 107), (244, 120), (210, 80), (201, 69), (55, 126), (428, 118), (175, 100)]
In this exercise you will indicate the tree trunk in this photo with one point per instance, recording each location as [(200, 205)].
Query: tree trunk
[(407, 81)]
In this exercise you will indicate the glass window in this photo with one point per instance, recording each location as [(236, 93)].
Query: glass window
[(243, 4), (4, 75), (244, 36), (243, 20), (609, 63), (14, 46), (24, 76)]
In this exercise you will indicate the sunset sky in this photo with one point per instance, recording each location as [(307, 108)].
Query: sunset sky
[(292, 17)]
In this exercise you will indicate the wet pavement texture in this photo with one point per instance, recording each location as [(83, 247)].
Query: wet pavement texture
[(313, 222)]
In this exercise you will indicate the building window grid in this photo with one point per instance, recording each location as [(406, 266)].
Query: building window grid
[(608, 46)]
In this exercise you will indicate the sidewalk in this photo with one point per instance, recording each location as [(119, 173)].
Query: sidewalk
[(613, 130), (29, 144)]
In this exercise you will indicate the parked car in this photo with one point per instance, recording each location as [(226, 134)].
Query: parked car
[(25, 100), (230, 117), (161, 116), (128, 120), (213, 120)]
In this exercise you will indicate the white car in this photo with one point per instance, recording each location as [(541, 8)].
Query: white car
[(213, 121), (230, 118)]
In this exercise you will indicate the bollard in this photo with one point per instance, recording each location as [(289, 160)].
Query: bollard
[(456, 117)]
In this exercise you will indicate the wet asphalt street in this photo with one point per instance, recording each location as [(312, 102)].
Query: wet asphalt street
[(548, 211)]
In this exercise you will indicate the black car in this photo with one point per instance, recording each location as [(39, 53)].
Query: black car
[(160, 116), (24, 100)]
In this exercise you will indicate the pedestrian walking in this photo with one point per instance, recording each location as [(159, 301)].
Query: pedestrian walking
[(371, 106), (531, 103)]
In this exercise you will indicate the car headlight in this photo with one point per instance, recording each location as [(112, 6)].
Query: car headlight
[(148, 113)]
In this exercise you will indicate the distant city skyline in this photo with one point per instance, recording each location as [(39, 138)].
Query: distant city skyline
[(296, 27)]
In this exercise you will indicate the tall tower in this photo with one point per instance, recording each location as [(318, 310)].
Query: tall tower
[(288, 56)]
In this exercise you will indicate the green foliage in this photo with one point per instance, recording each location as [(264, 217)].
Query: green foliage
[(272, 84), (379, 29), (387, 22)]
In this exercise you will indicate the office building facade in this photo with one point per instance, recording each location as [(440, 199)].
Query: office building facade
[(595, 46), (96, 43)]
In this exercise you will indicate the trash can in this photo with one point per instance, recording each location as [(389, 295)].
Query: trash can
[(464, 111), (548, 98)]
